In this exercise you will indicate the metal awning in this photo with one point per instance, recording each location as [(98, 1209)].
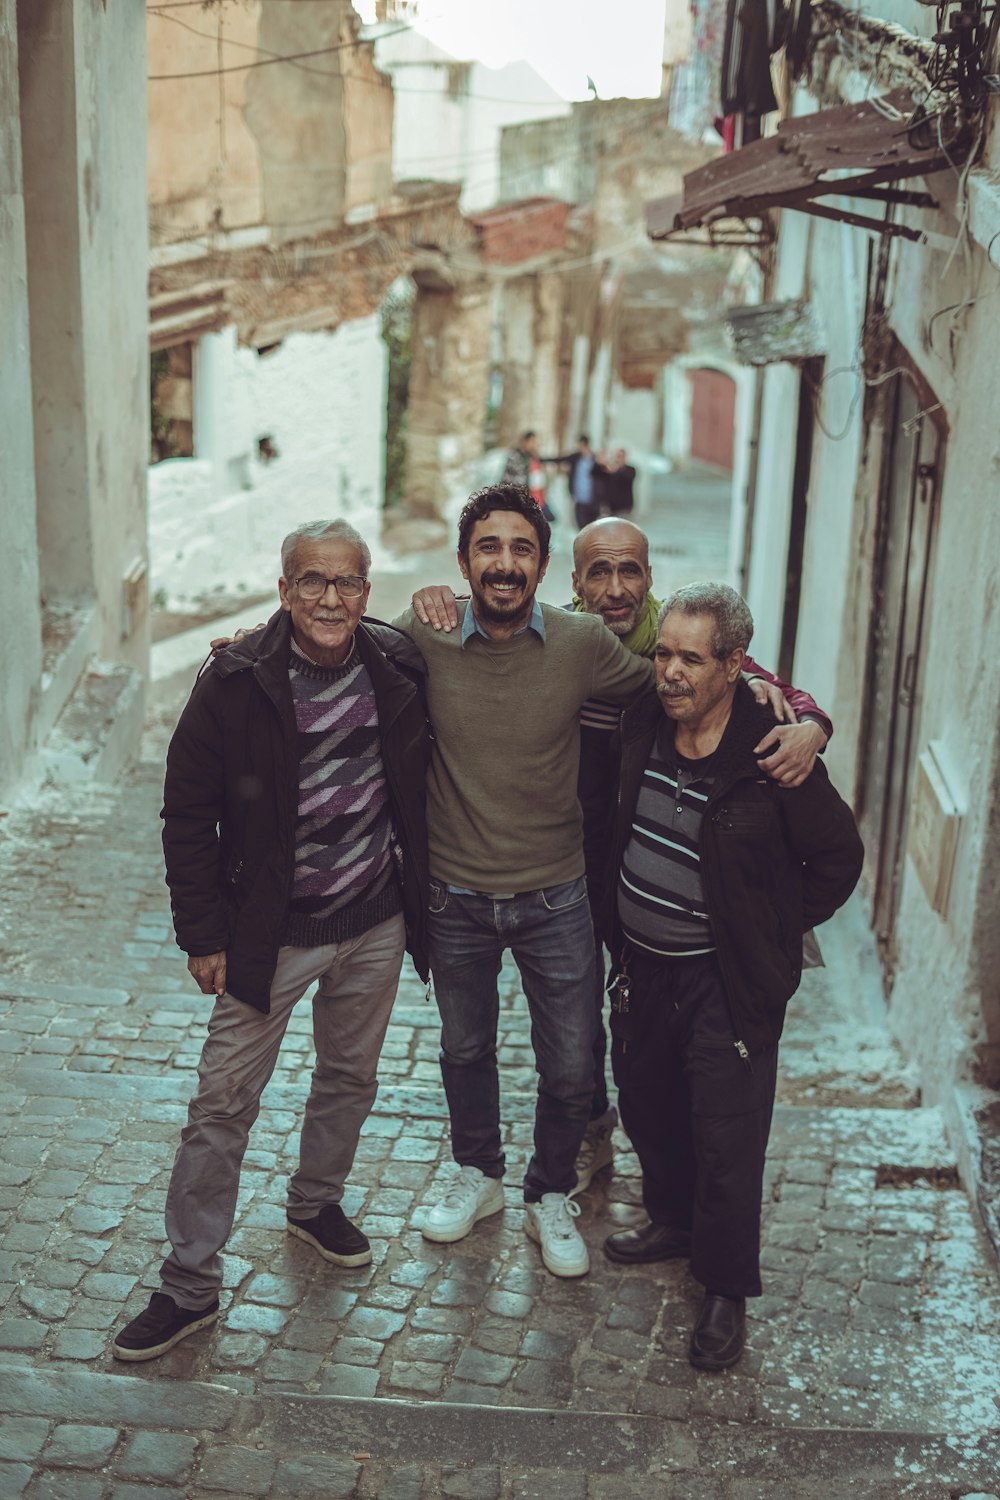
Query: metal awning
[(877, 143)]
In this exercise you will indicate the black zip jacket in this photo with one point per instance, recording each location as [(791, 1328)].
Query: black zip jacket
[(775, 861), (231, 798)]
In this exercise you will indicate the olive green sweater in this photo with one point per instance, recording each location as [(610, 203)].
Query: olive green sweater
[(502, 810)]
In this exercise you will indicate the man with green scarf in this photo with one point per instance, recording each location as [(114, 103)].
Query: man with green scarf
[(612, 578)]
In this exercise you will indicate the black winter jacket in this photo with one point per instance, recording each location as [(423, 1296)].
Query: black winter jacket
[(775, 861), (231, 798)]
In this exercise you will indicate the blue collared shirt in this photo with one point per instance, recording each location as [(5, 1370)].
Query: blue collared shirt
[(471, 626), (583, 479)]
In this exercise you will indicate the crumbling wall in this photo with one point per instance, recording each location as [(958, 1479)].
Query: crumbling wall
[(449, 380)]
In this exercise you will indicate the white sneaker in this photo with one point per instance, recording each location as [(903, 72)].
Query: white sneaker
[(551, 1224), (469, 1197), (596, 1150)]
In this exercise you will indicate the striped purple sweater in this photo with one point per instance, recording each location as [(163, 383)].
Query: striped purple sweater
[(344, 876)]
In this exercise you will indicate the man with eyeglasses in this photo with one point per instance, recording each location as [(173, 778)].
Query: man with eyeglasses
[(296, 852)]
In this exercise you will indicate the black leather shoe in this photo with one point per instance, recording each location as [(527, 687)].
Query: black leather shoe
[(717, 1337), (632, 1247)]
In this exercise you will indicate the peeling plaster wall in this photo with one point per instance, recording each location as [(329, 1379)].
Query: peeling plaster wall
[(449, 380), (202, 158), (295, 148), (297, 120), (20, 619)]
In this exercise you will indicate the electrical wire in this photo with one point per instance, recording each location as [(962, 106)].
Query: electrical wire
[(268, 62)]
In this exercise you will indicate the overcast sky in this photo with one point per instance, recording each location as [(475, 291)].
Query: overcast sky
[(619, 46)]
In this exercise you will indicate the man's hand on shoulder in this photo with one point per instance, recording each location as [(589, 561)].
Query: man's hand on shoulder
[(220, 642), (793, 751), (770, 693), (435, 606), (209, 972)]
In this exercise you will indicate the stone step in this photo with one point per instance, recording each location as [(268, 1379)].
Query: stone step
[(283, 1444), (97, 732)]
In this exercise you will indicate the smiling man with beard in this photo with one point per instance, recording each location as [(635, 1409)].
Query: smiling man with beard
[(613, 581), (506, 861)]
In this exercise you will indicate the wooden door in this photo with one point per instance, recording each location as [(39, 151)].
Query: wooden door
[(713, 412), (910, 484)]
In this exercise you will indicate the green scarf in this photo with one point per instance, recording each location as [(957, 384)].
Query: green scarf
[(641, 640)]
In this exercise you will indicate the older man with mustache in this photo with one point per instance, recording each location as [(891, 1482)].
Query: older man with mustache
[(720, 873)]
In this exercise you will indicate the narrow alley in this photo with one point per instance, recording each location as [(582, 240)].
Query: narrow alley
[(460, 1371)]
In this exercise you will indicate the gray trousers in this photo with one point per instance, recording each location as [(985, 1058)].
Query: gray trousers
[(357, 985)]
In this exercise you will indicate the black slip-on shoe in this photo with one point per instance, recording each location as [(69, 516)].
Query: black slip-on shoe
[(651, 1242), (160, 1327), (718, 1336), (334, 1236)]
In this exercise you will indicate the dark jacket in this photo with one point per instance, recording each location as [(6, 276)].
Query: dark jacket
[(616, 488), (775, 861), (570, 462), (231, 798)]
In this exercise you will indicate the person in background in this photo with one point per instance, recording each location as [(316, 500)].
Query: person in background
[(579, 466), (525, 468), (616, 479)]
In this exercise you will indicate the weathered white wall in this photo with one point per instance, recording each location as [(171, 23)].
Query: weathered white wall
[(635, 418), (321, 397), (957, 955), (83, 89), (449, 114), (945, 1005), (20, 620)]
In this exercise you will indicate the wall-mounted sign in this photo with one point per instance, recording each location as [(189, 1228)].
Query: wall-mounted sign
[(773, 331), (935, 823)]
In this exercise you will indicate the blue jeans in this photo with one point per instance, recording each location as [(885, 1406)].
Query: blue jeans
[(551, 939)]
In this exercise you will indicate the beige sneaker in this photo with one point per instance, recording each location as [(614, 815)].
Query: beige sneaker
[(469, 1197), (596, 1150)]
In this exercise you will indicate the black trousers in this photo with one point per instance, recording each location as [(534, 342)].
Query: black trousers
[(697, 1114)]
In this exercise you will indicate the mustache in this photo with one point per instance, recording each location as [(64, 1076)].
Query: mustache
[(503, 578), (665, 691)]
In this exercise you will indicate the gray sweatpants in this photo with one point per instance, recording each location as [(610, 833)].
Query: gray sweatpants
[(357, 985)]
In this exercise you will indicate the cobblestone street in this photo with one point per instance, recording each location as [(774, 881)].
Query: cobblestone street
[(466, 1370)]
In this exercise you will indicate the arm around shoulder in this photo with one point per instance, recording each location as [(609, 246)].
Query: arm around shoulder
[(619, 675)]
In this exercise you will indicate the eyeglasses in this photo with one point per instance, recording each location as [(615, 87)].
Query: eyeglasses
[(314, 585)]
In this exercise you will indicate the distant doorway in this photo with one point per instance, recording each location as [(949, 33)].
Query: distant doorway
[(713, 414), (910, 483)]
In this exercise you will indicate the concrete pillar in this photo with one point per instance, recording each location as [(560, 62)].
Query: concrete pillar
[(212, 376), (449, 384), (83, 129), (20, 614)]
